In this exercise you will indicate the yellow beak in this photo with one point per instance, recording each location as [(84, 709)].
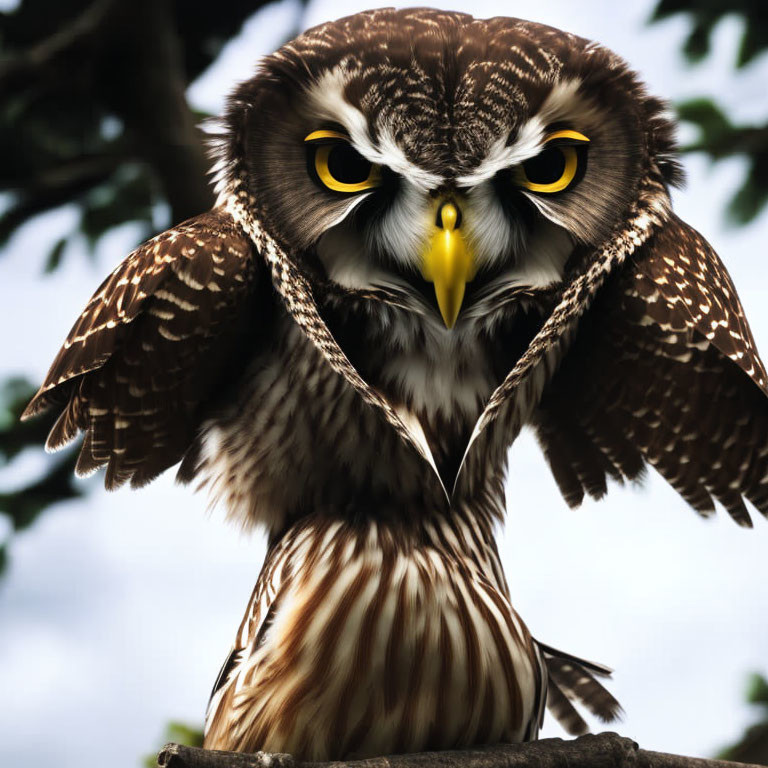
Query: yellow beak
[(448, 263)]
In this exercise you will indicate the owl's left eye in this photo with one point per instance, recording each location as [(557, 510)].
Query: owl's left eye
[(338, 166), (558, 166)]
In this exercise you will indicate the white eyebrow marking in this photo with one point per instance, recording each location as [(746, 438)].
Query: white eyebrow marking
[(500, 156), (327, 102), (562, 103)]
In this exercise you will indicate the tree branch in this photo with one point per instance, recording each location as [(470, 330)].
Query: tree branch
[(56, 187), (49, 57), (152, 103), (604, 750), (137, 57)]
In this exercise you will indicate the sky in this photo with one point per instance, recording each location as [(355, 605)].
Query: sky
[(117, 610)]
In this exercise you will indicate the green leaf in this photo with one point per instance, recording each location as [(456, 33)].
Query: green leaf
[(754, 41), (183, 733), (17, 435), (696, 47), (129, 196), (179, 733), (712, 122), (57, 484), (757, 689), (705, 15), (54, 256), (666, 8), (751, 197)]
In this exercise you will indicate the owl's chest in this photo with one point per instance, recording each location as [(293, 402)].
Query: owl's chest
[(442, 376), (355, 647), (438, 379), (298, 437), (443, 379)]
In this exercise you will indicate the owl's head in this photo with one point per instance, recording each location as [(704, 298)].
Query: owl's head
[(447, 158)]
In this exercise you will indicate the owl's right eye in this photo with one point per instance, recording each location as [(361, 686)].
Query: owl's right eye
[(338, 166)]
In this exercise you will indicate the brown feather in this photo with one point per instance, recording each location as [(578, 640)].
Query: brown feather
[(141, 363), (664, 368)]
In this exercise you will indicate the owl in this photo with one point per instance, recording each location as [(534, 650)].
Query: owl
[(431, 231)]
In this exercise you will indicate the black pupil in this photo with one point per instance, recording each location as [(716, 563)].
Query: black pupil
[(347, 166), (545, 168)]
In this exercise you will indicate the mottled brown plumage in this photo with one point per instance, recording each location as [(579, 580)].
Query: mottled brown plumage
[(667, 347), (151, 348), (293, 350)]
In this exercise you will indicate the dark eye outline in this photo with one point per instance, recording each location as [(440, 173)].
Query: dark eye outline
[(321, 144), (569, 143)]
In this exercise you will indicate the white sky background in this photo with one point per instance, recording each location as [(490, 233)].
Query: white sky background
[(117, 611)]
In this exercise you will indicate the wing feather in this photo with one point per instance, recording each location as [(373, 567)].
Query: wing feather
[(664, 371), (150, 349)]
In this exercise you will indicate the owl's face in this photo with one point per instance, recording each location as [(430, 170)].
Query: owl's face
[(449, 164)]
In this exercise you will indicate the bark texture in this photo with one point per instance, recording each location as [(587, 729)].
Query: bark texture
[(604, 750)]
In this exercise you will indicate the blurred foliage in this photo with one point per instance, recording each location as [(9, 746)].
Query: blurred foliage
[(753, 745), (94, 115), (93, 96), (705, 15), (25, 504), (719, 137), (178, 733)]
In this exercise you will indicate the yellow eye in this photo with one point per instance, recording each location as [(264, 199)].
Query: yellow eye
[(557, 166), (338, 166)]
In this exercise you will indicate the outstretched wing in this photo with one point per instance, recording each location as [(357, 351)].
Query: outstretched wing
[(663, 371), (150, 348)]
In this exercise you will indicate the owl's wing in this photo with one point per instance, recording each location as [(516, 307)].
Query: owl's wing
[(663, 370), (150, 348)]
